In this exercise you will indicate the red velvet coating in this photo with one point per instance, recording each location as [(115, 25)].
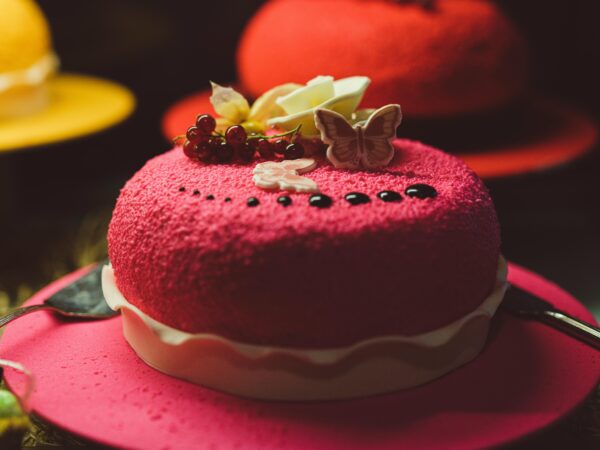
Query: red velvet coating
[(460, 57), (303, 276), (91, 383)]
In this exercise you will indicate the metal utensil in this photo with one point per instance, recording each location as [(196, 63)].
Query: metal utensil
[(81, 299), (524, 304)]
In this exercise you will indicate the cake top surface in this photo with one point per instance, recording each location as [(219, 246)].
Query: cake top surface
[(190, 192)]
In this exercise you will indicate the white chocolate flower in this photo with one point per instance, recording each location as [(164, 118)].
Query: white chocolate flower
[(285, 175), (342, 96)]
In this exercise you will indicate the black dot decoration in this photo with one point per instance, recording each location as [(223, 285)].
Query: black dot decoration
[(320, 201), (210, 197), (357, 198), (389, 196), (196, 192), (227, 199), (421, 191), (181, 189), (252, 202), (284, 200)]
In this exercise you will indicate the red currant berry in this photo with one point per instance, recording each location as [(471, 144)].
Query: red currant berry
[(189, 148), (224, 152), (193, 134), (236, 135), (205, 151), (279, 146), (246, 152), (215, 142), (294, 151), (206, 123), (265, 148)]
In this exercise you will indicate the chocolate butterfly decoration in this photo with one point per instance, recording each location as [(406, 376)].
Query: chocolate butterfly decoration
[(365, 145)]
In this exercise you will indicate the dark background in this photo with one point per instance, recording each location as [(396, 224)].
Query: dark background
[(55, 201)]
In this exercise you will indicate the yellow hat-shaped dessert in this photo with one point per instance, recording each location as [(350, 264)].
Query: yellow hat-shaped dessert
[(39, 105), (26, 58)]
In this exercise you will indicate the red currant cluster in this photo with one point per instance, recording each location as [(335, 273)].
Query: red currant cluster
[(204, 144)]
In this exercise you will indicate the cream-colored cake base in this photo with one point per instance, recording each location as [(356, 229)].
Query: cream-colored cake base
[(377, 365)]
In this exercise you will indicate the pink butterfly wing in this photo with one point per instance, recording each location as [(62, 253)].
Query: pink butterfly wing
[(378, 132), (342, 138)]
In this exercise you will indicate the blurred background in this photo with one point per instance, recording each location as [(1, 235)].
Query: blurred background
[(55, 201)]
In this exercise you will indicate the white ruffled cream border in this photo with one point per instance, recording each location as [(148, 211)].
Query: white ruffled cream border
[(376, 365), (34, 75)]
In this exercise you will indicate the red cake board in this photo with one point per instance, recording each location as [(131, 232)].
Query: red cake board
[(89, 382), (568, 134)]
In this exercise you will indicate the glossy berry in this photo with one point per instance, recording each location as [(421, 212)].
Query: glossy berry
[(189, 148), (224, 152), (194, 135), (236, 135), (293, 151), (206, 123), (205, 151), (265, 148), (245, 152), (215, 142), (311, 146), (280, 145)]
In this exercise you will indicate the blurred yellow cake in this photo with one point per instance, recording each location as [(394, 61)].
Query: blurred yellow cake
[(26, 58)]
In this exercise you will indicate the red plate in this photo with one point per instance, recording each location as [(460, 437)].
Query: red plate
[(554, 135), (89, 382)]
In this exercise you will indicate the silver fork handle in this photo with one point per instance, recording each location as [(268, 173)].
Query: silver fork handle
[(576, 328), (19, 312)]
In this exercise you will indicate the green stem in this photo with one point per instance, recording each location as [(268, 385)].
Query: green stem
[(275, 136), (294, 132)]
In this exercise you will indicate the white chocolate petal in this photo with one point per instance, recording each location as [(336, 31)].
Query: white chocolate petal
[(347, 95), (316, 91)]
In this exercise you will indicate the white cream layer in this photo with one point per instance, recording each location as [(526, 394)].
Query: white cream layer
[(23, 92), (373, 366)]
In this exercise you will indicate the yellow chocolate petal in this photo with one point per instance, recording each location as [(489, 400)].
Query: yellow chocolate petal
[(266, 107), (229, 103)]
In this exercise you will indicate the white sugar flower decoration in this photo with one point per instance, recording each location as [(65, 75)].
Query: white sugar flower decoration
[(285, 175), (342, 96)]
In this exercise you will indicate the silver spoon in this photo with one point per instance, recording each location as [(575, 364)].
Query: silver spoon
[(523, 304), (81, 299)]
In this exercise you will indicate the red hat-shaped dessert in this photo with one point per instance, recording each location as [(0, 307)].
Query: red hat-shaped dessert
[(460, 69), (440, 59)]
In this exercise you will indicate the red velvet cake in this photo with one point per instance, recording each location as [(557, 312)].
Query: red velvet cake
[(344, 262), (189, 251), (453, 57)]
